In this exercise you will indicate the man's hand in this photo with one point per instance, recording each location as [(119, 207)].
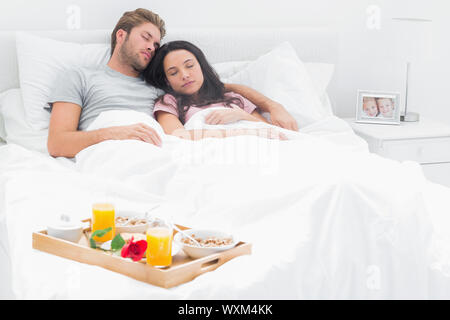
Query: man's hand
[(65, 140), (138, 131), (280, 117), (278, 114)]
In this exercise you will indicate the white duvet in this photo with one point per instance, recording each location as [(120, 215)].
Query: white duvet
[(326, 218)]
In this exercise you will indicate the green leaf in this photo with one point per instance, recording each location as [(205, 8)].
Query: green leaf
[(93, 244), (98, 233), (117, 243), (101, 233)]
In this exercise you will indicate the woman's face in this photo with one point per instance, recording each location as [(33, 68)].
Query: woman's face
[(183, 72)]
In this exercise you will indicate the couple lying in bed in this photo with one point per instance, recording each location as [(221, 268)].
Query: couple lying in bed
[(170, 83)]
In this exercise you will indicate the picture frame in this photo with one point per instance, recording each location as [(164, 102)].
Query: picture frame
[(378, 107)]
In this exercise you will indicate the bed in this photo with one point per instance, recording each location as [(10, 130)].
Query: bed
[(327, 219)]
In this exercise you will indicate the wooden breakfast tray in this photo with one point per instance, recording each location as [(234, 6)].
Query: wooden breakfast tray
[(182, 270)]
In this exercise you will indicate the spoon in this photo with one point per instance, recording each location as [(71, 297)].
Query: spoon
[(187, 236)]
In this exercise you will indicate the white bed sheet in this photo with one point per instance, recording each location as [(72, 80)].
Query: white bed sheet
[(322, 224)]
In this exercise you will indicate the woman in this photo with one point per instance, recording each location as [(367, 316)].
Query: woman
[(191, 85)]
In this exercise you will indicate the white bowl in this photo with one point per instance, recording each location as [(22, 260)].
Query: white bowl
[(141, 228), (68, 231), (198, 252)]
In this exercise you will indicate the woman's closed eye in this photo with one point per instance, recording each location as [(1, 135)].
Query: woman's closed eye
[(174, 73)]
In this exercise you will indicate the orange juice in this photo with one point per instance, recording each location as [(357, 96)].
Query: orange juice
[(159, 246), (102, 218)]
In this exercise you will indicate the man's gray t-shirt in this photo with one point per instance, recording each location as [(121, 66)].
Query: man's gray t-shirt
[(102, 89)]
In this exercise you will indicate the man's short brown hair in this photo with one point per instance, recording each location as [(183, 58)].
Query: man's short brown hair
[(131, 19)]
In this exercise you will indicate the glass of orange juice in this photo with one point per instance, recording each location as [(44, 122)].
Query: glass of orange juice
[(103, 217), (159, 243)]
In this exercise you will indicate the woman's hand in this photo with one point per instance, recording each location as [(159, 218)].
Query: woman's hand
[(228, 116)]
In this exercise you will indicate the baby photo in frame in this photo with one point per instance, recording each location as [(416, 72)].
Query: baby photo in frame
[(378, 107)]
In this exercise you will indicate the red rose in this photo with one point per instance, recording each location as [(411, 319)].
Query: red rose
[(134, 250)]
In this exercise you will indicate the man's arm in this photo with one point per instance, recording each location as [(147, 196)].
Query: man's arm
[(278, 114), (64, 139)]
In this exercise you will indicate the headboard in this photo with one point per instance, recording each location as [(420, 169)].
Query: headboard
[(219, 44)]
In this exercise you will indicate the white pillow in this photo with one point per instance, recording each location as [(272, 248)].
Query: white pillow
[(227, 69), (320, 73), (40, 60), (17, 129), (2, 125), (283, 77)]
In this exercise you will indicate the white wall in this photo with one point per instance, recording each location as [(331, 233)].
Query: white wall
[(366, 61)]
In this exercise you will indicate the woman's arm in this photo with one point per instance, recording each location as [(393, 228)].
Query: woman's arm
[(233, 114), (173, 126), (278, 114)]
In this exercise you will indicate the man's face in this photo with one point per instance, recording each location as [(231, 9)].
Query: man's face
[(140, 45)]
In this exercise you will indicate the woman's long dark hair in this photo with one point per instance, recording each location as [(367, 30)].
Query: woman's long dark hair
[(212, 90)]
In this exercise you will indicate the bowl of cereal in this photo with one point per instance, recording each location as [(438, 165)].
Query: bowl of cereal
[(208, 242), (128, 224)]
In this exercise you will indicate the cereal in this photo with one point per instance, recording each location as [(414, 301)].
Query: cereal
[(126, 221), (208, 242)]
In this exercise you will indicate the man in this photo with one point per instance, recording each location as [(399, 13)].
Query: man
[(83, 93)]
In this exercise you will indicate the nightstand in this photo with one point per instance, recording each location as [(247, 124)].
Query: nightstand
[(426, 142)]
